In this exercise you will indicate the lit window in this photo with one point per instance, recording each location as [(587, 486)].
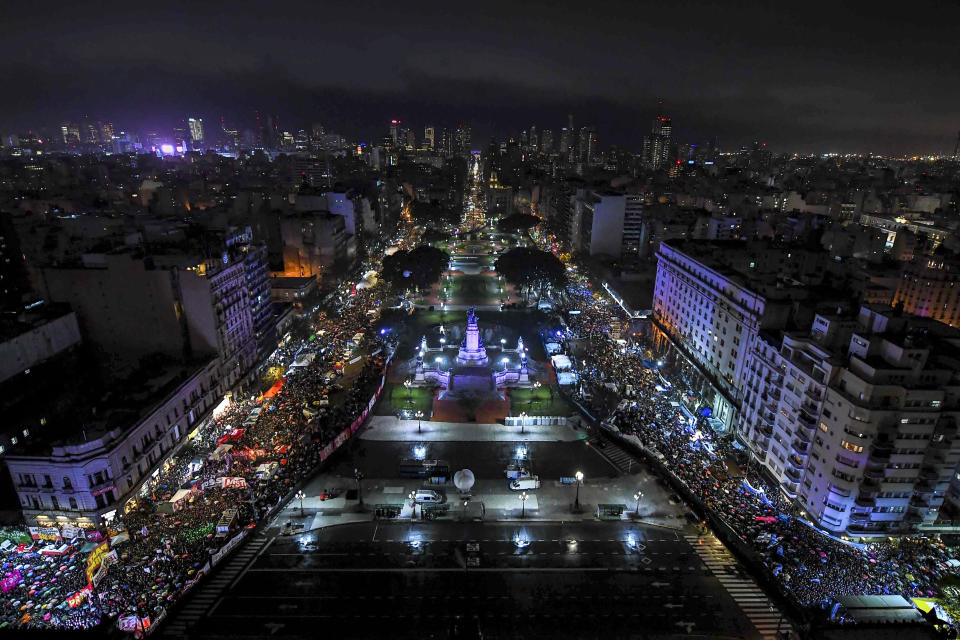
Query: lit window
[(849, 446)]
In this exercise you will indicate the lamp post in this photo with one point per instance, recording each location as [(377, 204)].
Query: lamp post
[(413, 505), (523, 504), (523, 420), (637, 496), (300, 495), (419, 417), (408, 384), (576, 502), (358, 476)]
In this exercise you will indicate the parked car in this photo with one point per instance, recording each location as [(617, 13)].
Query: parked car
[(428, 496), (525, 483)]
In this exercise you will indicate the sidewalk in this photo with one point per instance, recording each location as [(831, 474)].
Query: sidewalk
[(391, 428)]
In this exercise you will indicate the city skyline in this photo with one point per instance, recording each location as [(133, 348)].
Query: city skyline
[(799, 83)]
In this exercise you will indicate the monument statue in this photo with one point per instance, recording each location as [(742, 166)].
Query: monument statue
[(472, 351)]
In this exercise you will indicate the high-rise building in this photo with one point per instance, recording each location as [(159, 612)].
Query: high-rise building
[(587, 146), (70, 131), (429, 134), (565, 143), (395, 132), (196, 132), (106, 132), (657, 145), (597, 227), (859, 419), (14, 284), (546, 142), (930, 287), (463, 140), (632, 225), (179, 304), (534, 139), (712, 298)]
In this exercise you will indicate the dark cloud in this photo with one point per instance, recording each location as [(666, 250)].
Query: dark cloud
[(820, 76)]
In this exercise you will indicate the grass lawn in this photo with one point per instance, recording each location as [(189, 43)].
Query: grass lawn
[(537, 402), (397, 397)]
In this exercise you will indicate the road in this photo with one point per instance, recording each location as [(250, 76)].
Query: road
[(583, 580)]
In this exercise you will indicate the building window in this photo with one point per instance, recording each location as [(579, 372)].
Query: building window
[(73, 503), (849, 446)]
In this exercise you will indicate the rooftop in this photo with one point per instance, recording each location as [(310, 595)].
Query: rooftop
[(68, 400)]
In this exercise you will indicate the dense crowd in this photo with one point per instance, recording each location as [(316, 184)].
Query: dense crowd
[(811, 566), (163, 546)]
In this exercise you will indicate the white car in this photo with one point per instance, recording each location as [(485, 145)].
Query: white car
[(428, 496)]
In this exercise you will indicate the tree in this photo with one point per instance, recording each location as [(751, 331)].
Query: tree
[(518, 222), (417, 268), (531, 268)]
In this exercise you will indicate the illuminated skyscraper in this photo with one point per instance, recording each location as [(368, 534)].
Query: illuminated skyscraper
[(395, 131), (656, 146), (463, 140), (428, 137), (70, 132), (546, 142), (196, 131)]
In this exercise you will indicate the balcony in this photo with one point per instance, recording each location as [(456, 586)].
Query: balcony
[(806, 419), (880, 452), (795, 462), (840, 491), (765, 429), (801, 449), (919, 502), (859, 518), (793, 473), (865, 500), (874, 474), (929, 473)]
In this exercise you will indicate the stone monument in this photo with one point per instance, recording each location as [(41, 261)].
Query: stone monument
[(472, 351)]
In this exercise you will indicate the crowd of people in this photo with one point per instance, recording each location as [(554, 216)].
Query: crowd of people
[(162, 545), (812, 567)]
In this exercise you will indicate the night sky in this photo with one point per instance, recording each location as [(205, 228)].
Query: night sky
[(806, 76)]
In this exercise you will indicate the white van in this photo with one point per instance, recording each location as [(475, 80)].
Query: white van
[(428, 496), (525, 483)]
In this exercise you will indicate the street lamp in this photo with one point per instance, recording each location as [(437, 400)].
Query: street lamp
[(358, 476), (637, 496), (576, 503), (505, 361), (523, 420), (419, 417), (523, 503), (300, 495), (413, 505)]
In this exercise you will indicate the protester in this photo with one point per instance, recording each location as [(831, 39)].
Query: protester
[(169, 545)]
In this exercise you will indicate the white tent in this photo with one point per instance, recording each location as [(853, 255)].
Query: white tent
[(560, 362)]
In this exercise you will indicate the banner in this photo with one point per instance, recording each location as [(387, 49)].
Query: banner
[(69, 533), (233, 483), (45, 533), (79, 597), (96, 558), (251, 454), (94, 535), (11, 580)]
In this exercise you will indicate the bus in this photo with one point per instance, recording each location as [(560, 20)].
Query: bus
[(424, 469)]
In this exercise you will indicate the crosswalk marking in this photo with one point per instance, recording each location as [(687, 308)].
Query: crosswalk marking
[(208, 591), (763, 614)]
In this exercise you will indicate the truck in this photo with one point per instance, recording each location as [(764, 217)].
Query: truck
[(525, 483)]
